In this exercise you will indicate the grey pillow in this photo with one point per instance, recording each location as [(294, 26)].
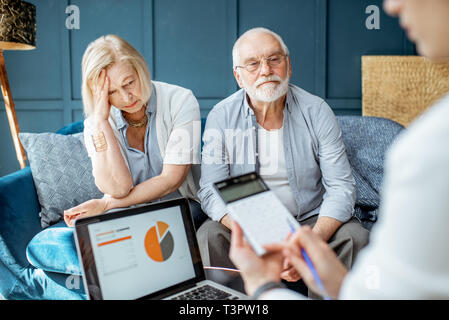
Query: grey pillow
[(62, 173)]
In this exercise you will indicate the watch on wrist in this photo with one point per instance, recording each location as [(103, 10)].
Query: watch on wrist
[(266, 287)]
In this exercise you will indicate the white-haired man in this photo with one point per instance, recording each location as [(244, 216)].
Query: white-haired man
[(291, 138)]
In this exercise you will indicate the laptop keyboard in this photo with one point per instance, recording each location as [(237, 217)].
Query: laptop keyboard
[(205, 292)]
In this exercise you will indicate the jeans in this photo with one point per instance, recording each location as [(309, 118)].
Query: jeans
[(54, 249)]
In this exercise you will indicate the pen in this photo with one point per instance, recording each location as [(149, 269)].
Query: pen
[(316, 277)]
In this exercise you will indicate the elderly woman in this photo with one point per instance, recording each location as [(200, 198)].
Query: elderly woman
[(142, 136)]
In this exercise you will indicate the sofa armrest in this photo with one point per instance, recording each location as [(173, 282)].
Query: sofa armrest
[(19, 212)]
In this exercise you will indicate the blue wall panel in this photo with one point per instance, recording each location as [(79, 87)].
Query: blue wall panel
[(295, 21), (77, 115), (189, 43), (192, 44), (36, 74), (30, 121), (349, 39)]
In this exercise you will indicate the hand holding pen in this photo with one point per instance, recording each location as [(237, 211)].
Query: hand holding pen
[(315, 260), (312, 269)]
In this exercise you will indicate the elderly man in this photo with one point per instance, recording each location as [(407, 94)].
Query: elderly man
[(291, 138)]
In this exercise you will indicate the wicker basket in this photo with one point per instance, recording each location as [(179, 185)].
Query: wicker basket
[(401, 87)]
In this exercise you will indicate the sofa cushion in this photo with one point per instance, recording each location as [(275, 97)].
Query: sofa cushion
[(367, 139), (53, 250), (72, 128), (62, 173), (19, 206)]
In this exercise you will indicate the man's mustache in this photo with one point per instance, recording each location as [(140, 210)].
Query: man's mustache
[(266, 79)]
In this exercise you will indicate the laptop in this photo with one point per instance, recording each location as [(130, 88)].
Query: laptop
[(148, 252)]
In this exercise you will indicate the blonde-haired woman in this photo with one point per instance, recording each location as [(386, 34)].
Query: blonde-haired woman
[(142, 136)]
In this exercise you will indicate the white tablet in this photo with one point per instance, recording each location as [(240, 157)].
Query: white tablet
[(261, 215)]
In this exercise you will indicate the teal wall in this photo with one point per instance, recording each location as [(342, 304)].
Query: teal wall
[(188, 43)]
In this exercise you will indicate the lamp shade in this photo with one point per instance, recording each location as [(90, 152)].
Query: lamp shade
[(17, 25)]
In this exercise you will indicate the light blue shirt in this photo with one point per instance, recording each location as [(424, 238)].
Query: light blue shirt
[(318, 170), (148, 164)]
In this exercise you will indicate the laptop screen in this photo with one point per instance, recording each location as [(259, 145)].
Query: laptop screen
[(136, 255)]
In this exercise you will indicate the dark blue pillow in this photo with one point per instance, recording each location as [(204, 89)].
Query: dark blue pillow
[(72, 128)]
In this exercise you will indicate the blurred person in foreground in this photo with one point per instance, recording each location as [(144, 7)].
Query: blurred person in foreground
[(407, 255)]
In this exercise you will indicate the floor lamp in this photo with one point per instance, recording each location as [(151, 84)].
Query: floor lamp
[(17, 32)]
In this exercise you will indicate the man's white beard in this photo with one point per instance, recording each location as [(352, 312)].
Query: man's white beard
[(268, 92)]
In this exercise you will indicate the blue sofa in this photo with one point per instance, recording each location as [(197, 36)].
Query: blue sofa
[(366, 140)]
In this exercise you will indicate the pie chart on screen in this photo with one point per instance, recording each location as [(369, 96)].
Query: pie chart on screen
[(159, 243)]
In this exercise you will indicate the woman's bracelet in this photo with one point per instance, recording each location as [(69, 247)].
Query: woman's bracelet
[(99, 141)]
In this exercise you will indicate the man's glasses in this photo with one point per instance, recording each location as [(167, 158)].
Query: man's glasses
[(272, 61)]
